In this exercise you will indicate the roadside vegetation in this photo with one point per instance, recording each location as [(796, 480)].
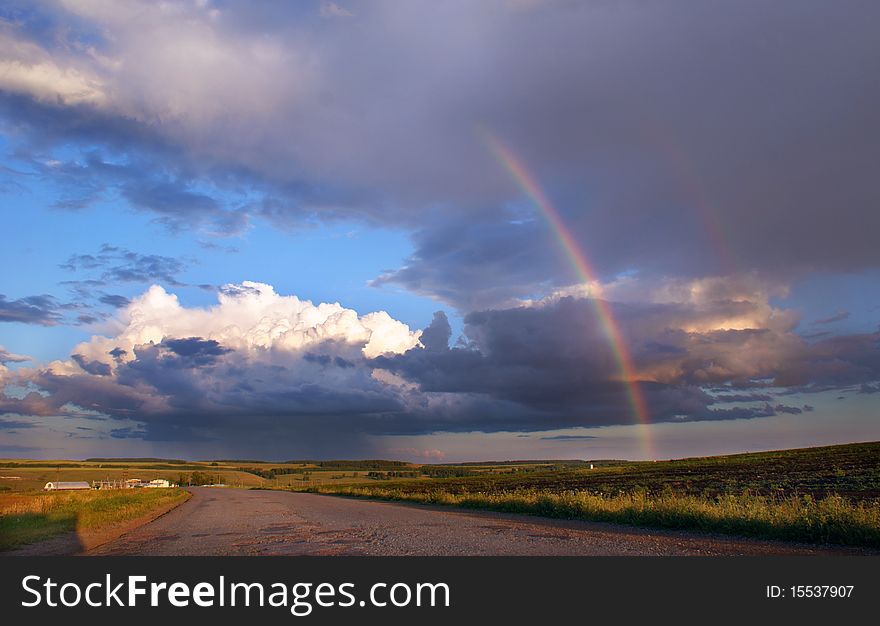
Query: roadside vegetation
[(30, 517), (820, 495)]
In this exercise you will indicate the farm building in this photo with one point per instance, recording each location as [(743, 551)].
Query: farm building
[(132, 483), (66, 486)]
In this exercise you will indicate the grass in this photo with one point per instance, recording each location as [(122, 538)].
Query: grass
[(832, 520), (818, 495), (27, 518)]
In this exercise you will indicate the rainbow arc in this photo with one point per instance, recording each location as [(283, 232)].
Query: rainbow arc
[(580, 262)]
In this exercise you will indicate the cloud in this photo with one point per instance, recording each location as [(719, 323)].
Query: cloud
[(114, 265), (116, 301), (791, 410), (26, 68), (567, 437), (837, 317), (249, 317), (695, 212), (478, 263), (257, 363), (332, 10), (20, 450), (553, 358), (435, 338), (14, 424), (373, 118), (41, 310), (150, 183), (195, 347), (263, 366), (9, 357)]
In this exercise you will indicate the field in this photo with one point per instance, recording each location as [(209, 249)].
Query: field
[(825, 495), (852, 471), (821, 495), (27, 518), (18, 475)]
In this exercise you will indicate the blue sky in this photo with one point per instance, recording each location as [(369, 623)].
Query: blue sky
[(323, 262), (245, 229)]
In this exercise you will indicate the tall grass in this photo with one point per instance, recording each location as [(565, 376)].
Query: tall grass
[(25, 518), (833, 519)]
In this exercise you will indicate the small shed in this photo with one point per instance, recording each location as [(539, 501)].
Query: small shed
[(66, 486)]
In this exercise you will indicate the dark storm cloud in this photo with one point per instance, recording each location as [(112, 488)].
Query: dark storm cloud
[(180, 208), (526, 369), (196, 348), (555, 359), (41, 310), (739, 135), (327, 360), (743, 397), (91, 367), (477, 264), (435, 337)]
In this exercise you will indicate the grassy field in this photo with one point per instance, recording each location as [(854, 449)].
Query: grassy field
[(24, 475), (18, 475), (30, 517), (826, 495)]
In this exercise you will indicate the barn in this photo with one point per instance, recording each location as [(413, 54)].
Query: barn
[(67, 486)]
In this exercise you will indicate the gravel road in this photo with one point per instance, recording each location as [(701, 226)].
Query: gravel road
[(219, 521)]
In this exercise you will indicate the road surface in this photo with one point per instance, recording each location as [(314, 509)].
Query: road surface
[(218, 521)]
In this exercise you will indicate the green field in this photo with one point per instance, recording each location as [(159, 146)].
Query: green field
[(17, 475), (826, 495), (30, 517)]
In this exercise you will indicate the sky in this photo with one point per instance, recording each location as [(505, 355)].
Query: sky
[(512, 229)]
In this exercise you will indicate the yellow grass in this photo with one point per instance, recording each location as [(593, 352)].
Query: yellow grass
[(26, 518), (828, 520)]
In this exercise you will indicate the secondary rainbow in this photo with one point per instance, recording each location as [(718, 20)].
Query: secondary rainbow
[(578, 259)]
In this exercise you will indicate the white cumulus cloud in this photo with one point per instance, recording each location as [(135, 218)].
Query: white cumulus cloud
[(250, 318)]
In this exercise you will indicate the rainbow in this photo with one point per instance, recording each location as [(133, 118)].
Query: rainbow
[(584, 268)]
